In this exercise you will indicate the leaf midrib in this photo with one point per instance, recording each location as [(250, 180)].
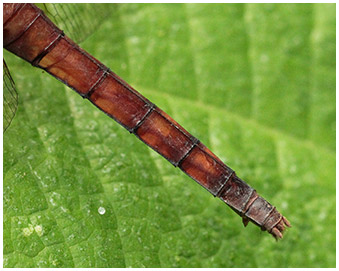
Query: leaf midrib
[(275, 132)]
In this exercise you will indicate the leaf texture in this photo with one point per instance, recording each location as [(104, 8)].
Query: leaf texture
[(254, 82)]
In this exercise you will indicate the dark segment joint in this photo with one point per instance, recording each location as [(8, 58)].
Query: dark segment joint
[(238, 194), (44, 52), (195, 142), (260, 212), (88, 95), (253, 196), (265, 220), (227, 178), (24, 31), (151, 106)]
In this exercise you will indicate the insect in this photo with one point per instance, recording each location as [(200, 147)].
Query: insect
[(31, 35), (10, 98)]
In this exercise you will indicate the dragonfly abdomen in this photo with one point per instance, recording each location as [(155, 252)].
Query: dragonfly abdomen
[(37, 40)]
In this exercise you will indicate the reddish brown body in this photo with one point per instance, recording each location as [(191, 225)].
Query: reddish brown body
[(29, 34)]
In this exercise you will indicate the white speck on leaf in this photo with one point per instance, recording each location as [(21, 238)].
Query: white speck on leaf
[(101, 210), (28, 231), (52, 202), (63, 209), (38, 229)]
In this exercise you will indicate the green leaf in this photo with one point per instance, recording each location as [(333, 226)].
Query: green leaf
[(254, 82)]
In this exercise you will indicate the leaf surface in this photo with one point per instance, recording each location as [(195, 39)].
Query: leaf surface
[(254, 82)]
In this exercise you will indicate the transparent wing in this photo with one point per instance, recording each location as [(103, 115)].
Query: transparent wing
[(10, 98), (78, 21)]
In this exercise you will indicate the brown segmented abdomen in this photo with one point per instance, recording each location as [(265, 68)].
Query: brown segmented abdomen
[(29, 34)]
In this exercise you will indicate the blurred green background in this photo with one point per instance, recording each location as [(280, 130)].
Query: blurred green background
[(254, 82)]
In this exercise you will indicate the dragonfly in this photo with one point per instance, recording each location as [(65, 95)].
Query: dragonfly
[(30, 34)]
